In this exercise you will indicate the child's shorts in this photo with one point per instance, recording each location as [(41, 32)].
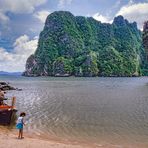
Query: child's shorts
[(19, 126)]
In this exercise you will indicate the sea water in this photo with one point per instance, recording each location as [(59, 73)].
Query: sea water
[(111, 110)]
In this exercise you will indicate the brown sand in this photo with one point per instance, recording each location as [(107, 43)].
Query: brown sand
[(8, 139)]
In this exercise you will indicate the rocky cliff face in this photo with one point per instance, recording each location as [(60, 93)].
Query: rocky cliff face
[(145, 36), (145, 45), (81, 46)]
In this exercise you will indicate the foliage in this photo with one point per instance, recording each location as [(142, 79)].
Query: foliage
[(82, 46)]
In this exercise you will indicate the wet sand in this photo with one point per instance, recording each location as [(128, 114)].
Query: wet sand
[(8, 138)]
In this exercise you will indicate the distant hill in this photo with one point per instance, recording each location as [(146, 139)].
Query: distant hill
[(10, 73), (81, 46)]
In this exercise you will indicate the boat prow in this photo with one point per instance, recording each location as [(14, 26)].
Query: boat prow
[(7, 113)]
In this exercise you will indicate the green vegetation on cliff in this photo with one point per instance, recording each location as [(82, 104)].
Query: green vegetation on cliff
[(145, 54), (82, 46)]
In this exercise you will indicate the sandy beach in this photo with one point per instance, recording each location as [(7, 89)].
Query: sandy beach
[(8, 139)]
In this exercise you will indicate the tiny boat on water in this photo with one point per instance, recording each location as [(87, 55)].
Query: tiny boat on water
[(7, 112)]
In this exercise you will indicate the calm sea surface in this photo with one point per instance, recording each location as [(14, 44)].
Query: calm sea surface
[(113, 110)]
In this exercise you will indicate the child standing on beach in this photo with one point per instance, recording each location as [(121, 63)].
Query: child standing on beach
[(20, 124)]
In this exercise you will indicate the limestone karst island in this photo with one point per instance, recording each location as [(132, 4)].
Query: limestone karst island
[(73, 73), (81, 46)]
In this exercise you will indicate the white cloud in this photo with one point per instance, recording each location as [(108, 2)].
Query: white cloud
[(41, 15), (131, 2), (101, 18), (17, 6), (63, 3), (15, 60), (135, 12), (3, 18), (20, 6)]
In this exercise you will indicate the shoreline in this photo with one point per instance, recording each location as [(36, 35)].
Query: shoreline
[(8, 138)]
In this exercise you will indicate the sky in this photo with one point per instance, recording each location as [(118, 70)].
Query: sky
[(21, 21)]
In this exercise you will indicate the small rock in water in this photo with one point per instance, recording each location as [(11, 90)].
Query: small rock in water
[(19, 89), (5, 86)]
